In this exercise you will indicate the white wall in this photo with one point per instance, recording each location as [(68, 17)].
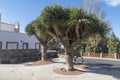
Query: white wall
[(6, 36), (7, 27)]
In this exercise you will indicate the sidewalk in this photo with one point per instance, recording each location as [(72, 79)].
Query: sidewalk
[(45, 72)]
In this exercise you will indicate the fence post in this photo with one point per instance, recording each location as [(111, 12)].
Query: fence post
[(115, 55), (101, 55), (88, 54), (81, 53)]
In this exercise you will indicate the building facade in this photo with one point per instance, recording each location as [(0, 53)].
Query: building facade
[(9, 27), (11, 38)]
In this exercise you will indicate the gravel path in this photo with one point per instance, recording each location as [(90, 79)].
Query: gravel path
[(45, 72)]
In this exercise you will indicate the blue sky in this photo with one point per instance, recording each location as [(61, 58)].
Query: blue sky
[(24, 11)]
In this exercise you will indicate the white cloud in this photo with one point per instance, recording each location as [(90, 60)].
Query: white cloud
[(113, 2)]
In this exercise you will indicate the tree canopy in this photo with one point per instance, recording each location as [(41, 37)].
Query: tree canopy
[(69, 25), (113, 44)]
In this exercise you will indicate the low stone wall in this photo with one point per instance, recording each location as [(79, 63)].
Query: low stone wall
[(18, 56)]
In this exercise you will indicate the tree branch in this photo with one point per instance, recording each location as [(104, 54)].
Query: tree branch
[(77, 31), (51, 34), (67, 31), (75, 42), (57, 31)]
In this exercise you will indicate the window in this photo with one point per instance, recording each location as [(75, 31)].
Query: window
[(11, 45), (0, 45), (25, 45), (37, 45)]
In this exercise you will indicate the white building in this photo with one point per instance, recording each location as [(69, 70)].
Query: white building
[(9, 27), (11, 38)]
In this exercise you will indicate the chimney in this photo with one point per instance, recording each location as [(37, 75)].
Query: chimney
[(17, 27)]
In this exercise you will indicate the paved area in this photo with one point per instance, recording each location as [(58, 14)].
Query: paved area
[(45, 72)]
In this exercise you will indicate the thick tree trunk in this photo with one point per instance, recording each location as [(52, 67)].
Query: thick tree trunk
[(44, 54), (44, 58), (69, 61)]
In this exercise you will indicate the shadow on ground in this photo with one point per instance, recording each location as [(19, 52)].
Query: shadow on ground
[(98, 67), (103, 69)]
